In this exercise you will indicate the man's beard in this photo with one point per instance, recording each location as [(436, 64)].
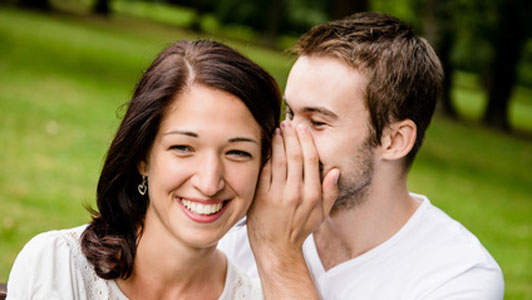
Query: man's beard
[(355, 181)]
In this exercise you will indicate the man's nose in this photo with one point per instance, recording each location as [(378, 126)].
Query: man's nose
[(296, 120), (209, 175)]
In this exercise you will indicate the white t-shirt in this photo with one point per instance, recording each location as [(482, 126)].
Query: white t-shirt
[(431, 257), (52, 266)]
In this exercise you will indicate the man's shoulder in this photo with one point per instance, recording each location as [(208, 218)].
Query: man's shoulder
[(437, 230), (432, 255), (444, 252), (432, 233)]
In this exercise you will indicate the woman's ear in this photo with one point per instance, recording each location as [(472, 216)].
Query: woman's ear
[(142, 167), (398, 139)]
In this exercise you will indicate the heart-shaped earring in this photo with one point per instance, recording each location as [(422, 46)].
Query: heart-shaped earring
[(143, 186)]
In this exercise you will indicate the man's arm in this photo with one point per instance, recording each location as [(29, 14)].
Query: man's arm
[(290, 203)]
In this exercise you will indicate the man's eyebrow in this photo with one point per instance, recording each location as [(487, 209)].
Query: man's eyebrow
[(313, 109), (321, 110), (195, 135)]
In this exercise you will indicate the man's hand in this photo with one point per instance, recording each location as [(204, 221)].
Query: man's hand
[(290, 203)]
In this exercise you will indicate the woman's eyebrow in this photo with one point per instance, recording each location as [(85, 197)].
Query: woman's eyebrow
[(183, 132), (242, 139), (195, 135)]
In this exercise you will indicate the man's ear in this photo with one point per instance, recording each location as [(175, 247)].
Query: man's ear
[(142, 167), (398, 139)]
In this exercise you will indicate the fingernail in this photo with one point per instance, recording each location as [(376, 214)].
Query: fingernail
[(277, 131), (336, 177), (283, 124)]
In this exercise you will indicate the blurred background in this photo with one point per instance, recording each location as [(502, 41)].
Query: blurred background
[(66, 68)]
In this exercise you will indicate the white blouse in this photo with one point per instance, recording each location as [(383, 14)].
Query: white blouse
[(52, 266)]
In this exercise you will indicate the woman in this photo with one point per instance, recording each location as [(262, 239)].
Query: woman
[(180, 172)]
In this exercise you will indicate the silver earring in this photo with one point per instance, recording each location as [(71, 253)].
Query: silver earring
[(143, 186)]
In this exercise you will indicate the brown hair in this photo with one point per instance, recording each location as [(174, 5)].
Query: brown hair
[(109, 243), (404, 74)]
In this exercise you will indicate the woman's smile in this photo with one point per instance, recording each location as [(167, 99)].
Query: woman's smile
[(203, 211)]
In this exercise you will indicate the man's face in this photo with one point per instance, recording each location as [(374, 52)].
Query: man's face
[(328, 96)]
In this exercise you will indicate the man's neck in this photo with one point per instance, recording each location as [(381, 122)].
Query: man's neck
[(346, 234)]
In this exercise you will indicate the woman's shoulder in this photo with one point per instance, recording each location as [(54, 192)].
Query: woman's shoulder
[(61, 238), (50, 263), (239, 285), (50, 244)]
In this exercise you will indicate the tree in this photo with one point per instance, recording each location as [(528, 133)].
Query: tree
[(344, 8), (102, 7), (43, 5), (439, 29), (508, 40), (272, 21)]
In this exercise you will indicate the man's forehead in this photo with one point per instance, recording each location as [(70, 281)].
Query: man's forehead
[(317, 84)]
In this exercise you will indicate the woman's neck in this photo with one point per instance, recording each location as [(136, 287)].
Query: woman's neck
[(164, 268)]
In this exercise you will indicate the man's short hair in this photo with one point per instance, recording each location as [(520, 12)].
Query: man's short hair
[(404, 74)]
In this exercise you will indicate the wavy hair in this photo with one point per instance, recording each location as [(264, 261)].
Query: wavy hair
[(109, 242)]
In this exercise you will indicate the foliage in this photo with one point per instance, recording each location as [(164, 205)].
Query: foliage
[(64, 79)]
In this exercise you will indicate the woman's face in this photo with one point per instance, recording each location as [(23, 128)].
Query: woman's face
[(202, 168)]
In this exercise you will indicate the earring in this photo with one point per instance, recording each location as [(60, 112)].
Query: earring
[(143, 186)]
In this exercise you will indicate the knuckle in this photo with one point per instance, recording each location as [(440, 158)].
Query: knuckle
[(313, 197), (312, 157), (292, 197), (312, 201), (295, 155), (279, 163)]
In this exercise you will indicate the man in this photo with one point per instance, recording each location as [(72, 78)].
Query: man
[(360, 97)]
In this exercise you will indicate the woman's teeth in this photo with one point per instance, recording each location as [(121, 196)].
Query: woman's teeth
[(202, 209)]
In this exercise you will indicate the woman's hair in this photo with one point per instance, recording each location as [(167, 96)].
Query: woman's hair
[(110, 241)]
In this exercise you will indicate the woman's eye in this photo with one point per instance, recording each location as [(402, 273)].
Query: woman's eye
[(239, 154), (181, 148)]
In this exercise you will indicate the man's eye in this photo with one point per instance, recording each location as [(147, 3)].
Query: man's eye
[(289, 115), (317, 123), (239, 154)]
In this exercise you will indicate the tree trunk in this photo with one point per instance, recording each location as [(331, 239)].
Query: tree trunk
[(439, 30), (508, 42), (444, 52), (43, 5), (272, 22), (344, 8), (200, 9), (102, 7)]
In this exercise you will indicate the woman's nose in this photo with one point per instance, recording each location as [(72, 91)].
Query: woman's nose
[(209, 175)]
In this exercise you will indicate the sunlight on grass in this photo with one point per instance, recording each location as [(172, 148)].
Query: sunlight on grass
[(470, 101), (63, 78)]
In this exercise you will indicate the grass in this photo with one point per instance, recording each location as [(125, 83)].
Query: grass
[(63, 77)]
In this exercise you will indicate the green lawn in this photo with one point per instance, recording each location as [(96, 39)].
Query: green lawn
[(63, 79)]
